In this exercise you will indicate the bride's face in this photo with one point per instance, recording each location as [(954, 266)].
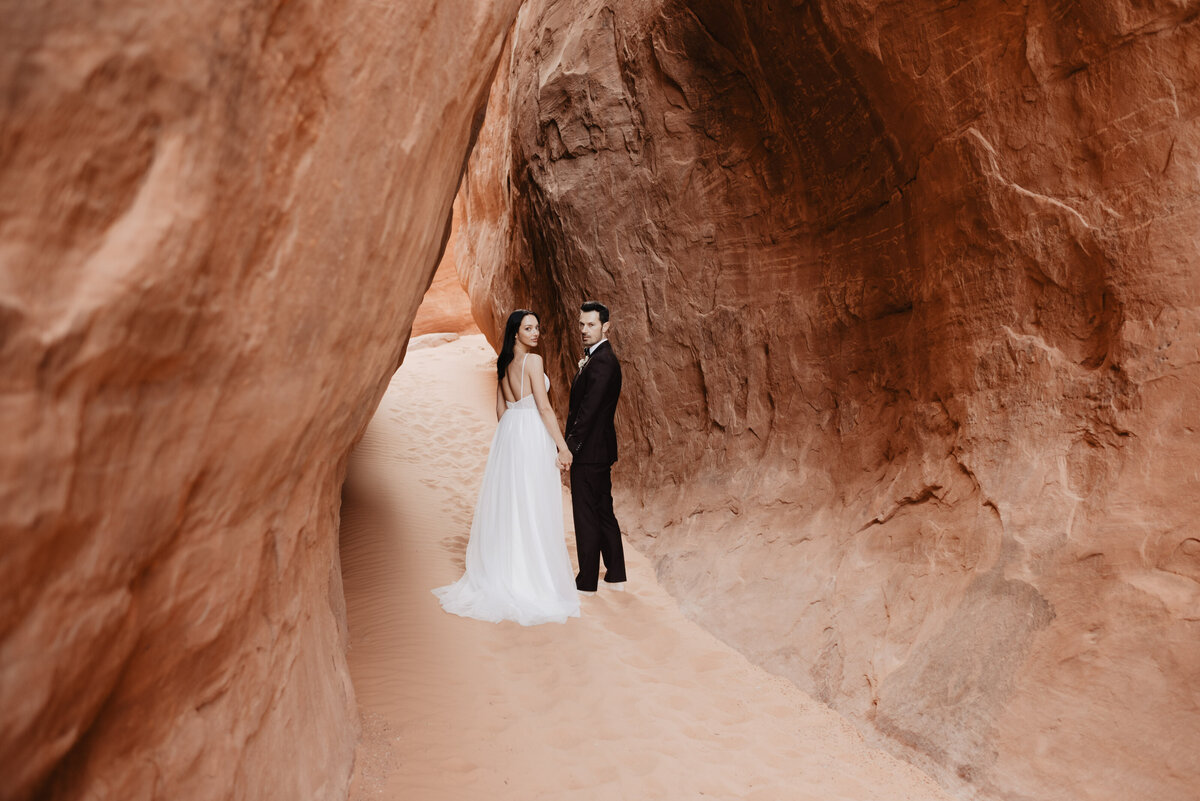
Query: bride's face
[(529, 331)]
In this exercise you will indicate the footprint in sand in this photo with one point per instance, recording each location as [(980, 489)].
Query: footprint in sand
[(456, 543)]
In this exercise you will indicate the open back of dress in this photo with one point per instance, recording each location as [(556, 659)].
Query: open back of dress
[(517, 563)]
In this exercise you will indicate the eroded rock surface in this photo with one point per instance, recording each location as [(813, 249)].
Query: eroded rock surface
[(216, 223), (907, 300)]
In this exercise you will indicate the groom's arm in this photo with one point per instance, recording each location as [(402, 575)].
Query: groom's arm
[(601, 374)]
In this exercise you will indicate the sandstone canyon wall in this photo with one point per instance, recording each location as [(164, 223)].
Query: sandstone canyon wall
[(216, 223), (907, 297), (445, 307)]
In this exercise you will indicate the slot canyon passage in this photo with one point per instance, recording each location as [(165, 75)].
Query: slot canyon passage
[(905, 295)]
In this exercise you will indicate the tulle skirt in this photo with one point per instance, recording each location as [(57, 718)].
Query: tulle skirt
[(517, 563)]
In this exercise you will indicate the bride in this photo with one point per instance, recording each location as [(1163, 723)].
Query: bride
[(517, 563)]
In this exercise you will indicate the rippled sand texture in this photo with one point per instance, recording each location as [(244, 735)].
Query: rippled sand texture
[(630, 701)]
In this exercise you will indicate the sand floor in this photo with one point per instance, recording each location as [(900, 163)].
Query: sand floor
[(630, 701)]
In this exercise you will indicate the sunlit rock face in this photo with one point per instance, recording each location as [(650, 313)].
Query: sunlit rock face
[(906, 297), (445, 308), (216, 223)]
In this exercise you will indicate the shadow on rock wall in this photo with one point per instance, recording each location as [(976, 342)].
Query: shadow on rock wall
[(906, 297), (216, 223)]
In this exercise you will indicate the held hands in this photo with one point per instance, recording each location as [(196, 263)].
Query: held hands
[(565, 457)]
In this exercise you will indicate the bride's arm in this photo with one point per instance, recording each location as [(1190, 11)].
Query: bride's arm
[(534, 371), (500, 405)]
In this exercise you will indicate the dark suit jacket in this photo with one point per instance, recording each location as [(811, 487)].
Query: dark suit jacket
[(591, 435)]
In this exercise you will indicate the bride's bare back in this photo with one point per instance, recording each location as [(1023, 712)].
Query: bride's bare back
[(517, 383), (525, 377)]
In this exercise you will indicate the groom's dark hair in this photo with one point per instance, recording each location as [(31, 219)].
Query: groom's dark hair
[(595, 306)]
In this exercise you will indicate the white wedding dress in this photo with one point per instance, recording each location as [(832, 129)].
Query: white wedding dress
[(517, 563)]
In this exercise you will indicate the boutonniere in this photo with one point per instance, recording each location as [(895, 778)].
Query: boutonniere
[(584, 361)]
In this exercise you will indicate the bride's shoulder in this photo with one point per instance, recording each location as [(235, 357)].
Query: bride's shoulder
[(534, 362)]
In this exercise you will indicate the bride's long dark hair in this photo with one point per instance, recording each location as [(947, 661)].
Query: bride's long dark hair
[(510, 339)]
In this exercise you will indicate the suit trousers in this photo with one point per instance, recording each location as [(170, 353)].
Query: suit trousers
[(596, 530)]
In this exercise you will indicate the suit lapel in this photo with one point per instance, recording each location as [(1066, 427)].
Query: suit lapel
[(589, 358), (595, 354)]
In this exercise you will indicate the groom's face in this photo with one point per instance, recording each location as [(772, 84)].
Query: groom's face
[(591, 330)]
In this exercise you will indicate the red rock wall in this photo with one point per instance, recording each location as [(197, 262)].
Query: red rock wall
[(907, 300), (216, 223), (445, 308)]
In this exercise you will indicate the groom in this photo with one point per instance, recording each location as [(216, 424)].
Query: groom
[(592, 440)]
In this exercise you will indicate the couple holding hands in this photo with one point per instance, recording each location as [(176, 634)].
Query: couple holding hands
[(517, 563)]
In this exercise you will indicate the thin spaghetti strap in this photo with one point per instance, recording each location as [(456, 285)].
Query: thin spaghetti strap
[(521, 386)]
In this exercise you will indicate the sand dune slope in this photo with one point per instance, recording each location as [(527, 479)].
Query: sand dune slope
[(629, 701)]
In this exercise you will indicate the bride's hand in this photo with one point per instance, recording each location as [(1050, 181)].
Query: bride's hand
[(564, 458)]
